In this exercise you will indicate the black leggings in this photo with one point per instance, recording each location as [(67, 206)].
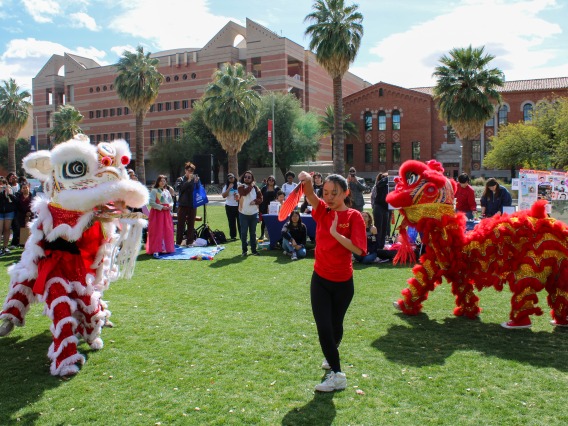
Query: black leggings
[(330, 301)]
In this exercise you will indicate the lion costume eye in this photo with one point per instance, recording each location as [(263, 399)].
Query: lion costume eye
[(74, 169), (412, 178)]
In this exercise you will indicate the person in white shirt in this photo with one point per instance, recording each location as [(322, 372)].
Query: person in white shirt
[(231, 196), (250, 198), (289, 186)]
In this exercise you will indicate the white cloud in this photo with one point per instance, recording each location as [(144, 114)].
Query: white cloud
[(512, 31), (82, 20), (24, 58), (42, 11), (119, 50), (176, 23)]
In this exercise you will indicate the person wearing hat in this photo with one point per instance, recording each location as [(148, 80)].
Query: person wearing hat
[(231, 196)]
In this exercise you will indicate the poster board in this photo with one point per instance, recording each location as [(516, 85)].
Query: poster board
[(551, 186)]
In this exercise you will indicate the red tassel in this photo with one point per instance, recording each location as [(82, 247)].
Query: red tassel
[(405, 253)]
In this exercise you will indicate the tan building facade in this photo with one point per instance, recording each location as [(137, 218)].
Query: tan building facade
[(278, 63), (398, 124)]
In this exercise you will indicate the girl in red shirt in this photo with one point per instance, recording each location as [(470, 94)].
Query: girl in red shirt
[(465, 197), (340, 232)]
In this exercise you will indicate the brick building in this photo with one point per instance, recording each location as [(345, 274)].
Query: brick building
[(397, 124), (278, 63)]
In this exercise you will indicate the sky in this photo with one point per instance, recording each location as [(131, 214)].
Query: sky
[(402, 43)]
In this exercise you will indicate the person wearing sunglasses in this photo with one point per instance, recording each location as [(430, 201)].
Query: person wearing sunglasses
[(231, 195), (269, 192), (250, 198)]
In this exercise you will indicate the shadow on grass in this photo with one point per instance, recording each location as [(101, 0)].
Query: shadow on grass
[(428, 342), (25, 375), (320, 411)]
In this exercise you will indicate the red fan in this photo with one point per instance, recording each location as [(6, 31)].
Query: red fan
[(291, 202)]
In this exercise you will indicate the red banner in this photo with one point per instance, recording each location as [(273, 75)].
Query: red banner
[(269, 135)]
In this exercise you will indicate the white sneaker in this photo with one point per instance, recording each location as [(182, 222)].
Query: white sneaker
[(333, 381), (325, 365), (294, 256)]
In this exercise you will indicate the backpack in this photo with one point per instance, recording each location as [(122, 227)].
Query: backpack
[(219, 236), (207, 234)]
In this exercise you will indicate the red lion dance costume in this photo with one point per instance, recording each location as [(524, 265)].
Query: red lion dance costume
[(74, 250), (526, 250)]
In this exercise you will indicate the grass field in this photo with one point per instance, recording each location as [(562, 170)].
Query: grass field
[(232, 342)]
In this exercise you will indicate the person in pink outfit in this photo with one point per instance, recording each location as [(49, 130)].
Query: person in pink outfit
[(160, 223)]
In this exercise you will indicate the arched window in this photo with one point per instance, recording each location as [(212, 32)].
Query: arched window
[(382, 120), (396, 120), (527, 112), (368, 121), (503, 115)]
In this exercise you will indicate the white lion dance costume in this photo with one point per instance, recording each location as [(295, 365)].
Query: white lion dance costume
[(74, 250)]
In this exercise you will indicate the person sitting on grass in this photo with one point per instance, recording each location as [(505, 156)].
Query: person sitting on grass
[(294, 234), (371, 230)]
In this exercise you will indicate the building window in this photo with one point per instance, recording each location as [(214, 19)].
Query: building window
[(160, 135), (476, 150), (382, 153), (112, 136), (119, 111), (381, 92), (168, 79), (98, 113), (415, 150), (185, 104), (451, 135), (527, 112), (176, 133), (184, 77), (126, 110), (127, 137), (112, 112), (105, 137), (168, 106), (152, 108), (503, 115), (256, 67), (119, 135), (349, 153), (396, 152), (91, 114), (152, 137), (382, 120), (396, 120), (48, 119), (168, 134), (193, 76), (105, 112), (98, 138), (193, 101), (368, 153), (176, 105), (160, 107), (176, 77), (368, 121)]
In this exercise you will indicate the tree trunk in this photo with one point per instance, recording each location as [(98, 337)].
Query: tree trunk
[(233, 164), (11, 154), (466, 156), (140, 167), (338, 145)]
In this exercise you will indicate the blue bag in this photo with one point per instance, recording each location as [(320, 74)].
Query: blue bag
[(199, 196)]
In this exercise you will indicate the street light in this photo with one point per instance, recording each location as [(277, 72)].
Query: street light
[(273, 130)]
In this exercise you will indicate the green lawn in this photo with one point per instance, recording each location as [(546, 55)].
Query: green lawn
[(232, 341)]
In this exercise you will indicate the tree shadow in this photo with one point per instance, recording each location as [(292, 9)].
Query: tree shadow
[(25, 375), (320, 411), (429, 342)]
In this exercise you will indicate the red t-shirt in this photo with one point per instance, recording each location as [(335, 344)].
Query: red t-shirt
[(333, 261)]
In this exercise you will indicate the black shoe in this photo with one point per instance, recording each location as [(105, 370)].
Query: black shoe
[(255, 253), (244, 254)]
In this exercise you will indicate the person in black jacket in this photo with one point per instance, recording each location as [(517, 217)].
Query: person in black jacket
[(381, 212), (294, 234), (7, 212), (186, 211)]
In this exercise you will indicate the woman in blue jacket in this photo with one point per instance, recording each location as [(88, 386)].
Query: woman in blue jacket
[(494, 198)]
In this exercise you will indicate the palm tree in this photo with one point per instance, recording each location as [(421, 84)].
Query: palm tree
[(327, 125), (465, 94), (14, 113), (231, 109), (137, 84), (336, 34), (65, 124)]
